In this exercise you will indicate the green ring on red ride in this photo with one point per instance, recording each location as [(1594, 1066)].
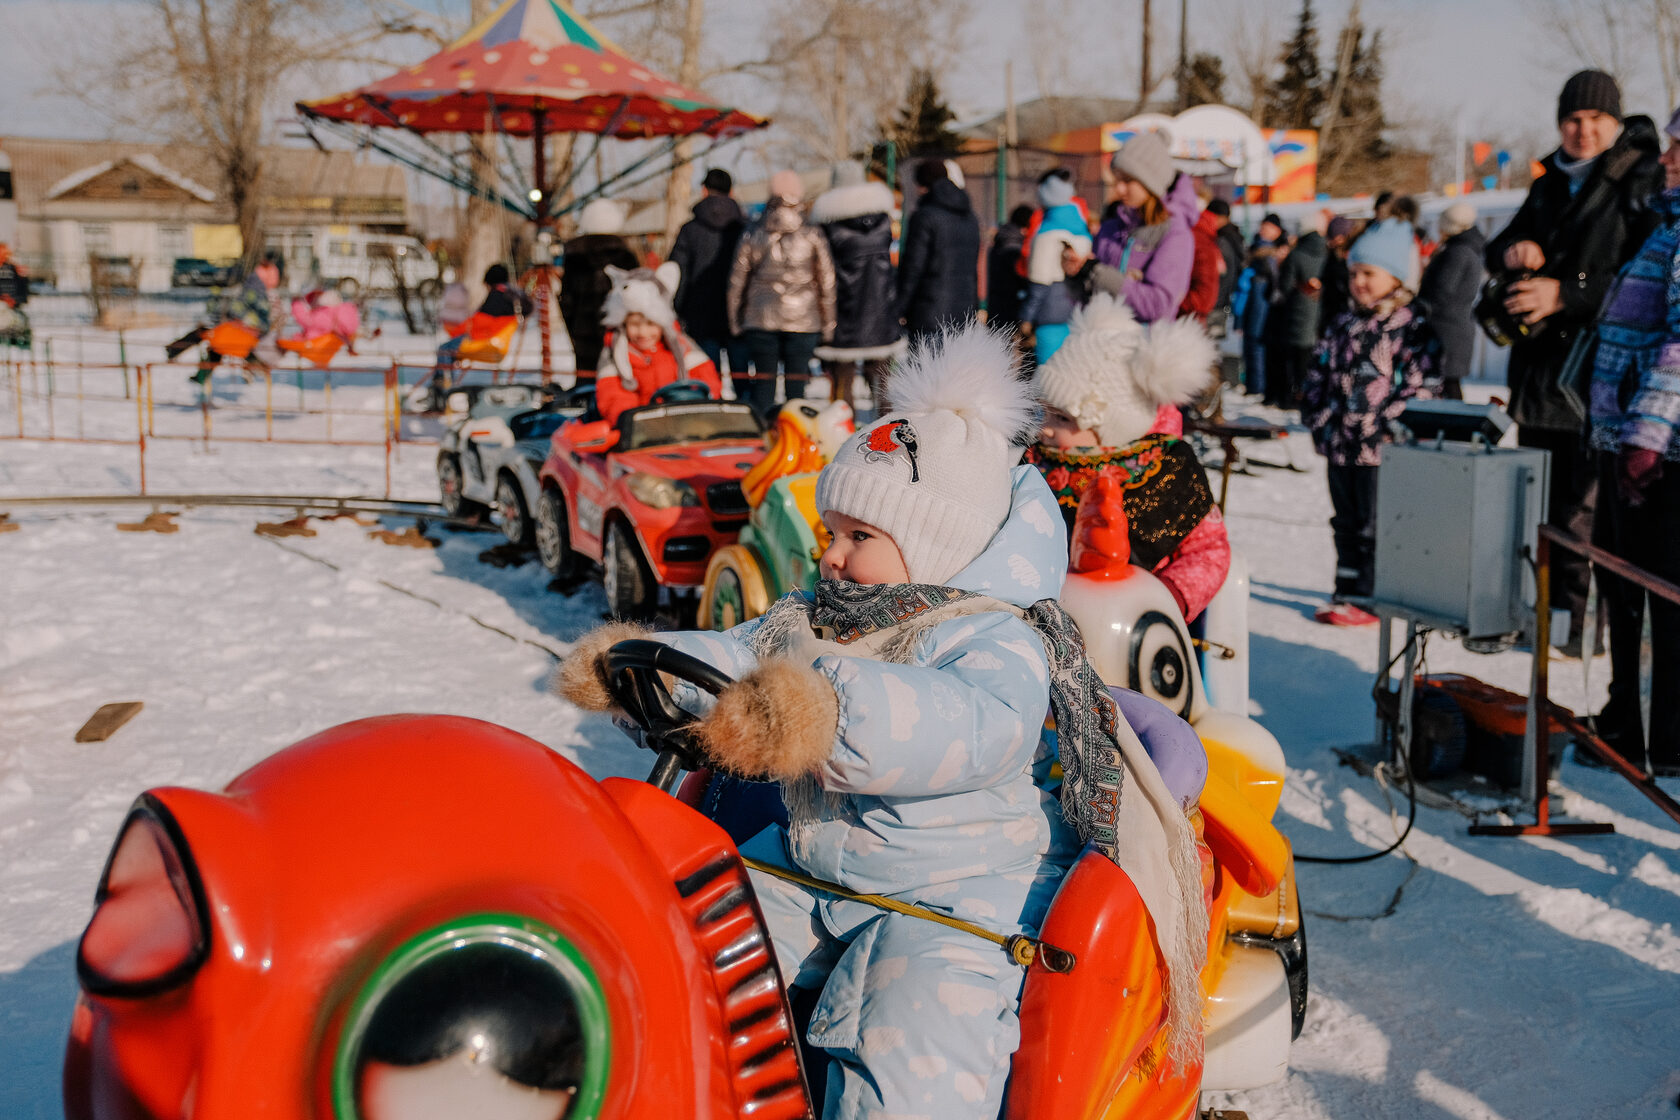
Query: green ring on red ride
[(515, 933)]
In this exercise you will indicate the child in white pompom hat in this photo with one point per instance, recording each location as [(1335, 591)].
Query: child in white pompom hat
[(1110, 406)]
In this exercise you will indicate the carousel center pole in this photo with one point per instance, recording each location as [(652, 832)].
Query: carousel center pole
[(544, 267)]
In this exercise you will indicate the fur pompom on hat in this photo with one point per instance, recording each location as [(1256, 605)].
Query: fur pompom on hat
[(934, 473), (1112, 375), (603, 215)]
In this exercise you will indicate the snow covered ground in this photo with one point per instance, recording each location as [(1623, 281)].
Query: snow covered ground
[(1470, 978)]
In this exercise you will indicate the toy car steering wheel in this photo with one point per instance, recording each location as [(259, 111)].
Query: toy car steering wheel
[(681, 392), (633, 677)]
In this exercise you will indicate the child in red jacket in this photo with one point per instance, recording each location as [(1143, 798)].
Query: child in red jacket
[(645, 350), (1108, 395)]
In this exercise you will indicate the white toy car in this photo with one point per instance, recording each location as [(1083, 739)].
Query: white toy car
[(493, 448)]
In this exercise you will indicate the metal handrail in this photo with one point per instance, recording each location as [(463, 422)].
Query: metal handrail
[(1543, 714)]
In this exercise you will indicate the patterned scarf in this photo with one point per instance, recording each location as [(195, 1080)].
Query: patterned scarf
[(886, 621), (1164, 490)]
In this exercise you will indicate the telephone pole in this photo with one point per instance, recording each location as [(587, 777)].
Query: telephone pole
[(1183, 55), (1144, 84)]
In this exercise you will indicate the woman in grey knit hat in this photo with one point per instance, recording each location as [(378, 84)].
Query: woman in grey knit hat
[(1144, 251)]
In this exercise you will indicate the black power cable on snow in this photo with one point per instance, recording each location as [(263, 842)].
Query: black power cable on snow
[(1419, 639)]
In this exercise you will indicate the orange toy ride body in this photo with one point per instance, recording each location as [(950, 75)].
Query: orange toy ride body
[(305, 891), (651, 498)]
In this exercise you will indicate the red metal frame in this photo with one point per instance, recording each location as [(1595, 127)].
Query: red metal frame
[(1540, 703)]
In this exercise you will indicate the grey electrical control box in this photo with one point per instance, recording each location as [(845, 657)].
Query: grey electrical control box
[(1453, 520)]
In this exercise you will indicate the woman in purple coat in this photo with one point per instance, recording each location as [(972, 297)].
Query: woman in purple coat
[(1143, 252)]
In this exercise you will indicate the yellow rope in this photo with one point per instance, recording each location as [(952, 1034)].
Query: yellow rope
[(1021, 948)]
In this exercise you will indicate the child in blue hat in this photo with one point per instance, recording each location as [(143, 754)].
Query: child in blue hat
[(1376, 356)]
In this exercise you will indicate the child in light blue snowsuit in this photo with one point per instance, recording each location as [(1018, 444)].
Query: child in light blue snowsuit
[(909, 741), (1061, 223)]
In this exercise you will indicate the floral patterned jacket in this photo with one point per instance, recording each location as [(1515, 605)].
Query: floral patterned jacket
[(1370, 363)]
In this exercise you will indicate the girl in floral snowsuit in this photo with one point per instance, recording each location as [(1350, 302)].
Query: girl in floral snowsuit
[(1375, 357)]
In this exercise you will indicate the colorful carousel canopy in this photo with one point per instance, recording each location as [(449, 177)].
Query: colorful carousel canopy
[(533, 66)]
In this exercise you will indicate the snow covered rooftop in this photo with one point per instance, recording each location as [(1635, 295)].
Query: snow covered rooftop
[(145, 161)]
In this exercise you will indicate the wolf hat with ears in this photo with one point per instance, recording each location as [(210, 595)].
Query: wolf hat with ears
[(646, 292), (1113, 374), (934, 473)]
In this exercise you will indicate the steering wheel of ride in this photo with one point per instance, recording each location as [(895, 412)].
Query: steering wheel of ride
[(681, 392), (633, 678)]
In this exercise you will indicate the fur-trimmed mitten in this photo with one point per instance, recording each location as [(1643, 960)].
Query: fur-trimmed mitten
[(582, 675), (777, 722)]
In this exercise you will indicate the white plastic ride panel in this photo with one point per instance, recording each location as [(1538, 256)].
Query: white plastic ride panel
[(1227, 624), (1248, 1023)]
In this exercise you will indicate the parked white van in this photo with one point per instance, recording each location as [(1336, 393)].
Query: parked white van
[(354, 260)]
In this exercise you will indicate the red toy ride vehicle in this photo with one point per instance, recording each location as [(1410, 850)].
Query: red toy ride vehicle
[(649, 498), (498, 936)]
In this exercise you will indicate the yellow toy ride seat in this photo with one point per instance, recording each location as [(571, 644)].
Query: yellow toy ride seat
[(493, 347)]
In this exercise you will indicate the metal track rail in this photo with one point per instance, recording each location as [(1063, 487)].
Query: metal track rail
[(303, 504)]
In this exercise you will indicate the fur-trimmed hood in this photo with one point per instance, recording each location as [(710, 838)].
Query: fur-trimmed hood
[(840, 203)]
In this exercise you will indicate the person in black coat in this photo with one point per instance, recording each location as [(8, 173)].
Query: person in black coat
[(1292, 326), (1582, 220), (583, 279), (856, 218), (1004, 285), (939, 258), (705, 250), (1231, 250), (1339, 235), (1448, 294)]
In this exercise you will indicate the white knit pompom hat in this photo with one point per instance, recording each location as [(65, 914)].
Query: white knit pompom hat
[(1112, 374), (602, 215), (935, 473)]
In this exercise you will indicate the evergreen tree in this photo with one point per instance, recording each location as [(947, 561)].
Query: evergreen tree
[(923, 124), (1296, 98), (1353, 147), (1202, 81)]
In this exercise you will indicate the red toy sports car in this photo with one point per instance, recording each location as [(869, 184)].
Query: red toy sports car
[(649, 498)]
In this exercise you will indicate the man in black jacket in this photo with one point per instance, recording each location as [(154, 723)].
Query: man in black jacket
[(939, 257), (705, 250), (1448, 293), (1582, 220)]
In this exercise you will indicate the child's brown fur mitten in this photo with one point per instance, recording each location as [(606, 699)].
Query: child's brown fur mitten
[(582, 676), (777, 722)]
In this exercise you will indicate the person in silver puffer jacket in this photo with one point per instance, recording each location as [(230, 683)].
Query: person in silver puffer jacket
[(781, 294)]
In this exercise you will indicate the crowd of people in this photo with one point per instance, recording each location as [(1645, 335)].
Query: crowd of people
[(1344, 321)]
